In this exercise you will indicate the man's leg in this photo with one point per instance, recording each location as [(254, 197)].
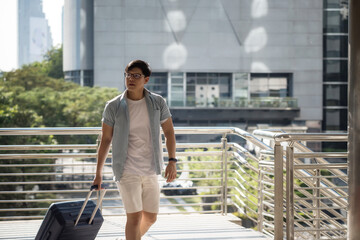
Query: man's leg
[(150, 201), (130, 191), (133, 223), (147, 220)]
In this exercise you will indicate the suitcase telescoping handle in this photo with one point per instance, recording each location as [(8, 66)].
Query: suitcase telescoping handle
[(102, 194)]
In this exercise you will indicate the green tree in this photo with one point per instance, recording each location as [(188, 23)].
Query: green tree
[(54, 63)]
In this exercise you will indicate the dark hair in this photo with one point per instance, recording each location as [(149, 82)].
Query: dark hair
[(144, 66)]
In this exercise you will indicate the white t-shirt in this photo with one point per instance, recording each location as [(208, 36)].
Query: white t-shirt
[(140, 151)]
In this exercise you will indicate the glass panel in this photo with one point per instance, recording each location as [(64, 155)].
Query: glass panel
[(201, 78), (213, 78), (335, 21), (270, 85), (190, 80), (335, 3), (158, 83), (190, 99), (224, 91), (336, 46), (259, 87), (177, 89), (177, 81), (177, 103), (177, 75), (335, 119), (177, 96), (335, 71), (190, 88), (241, 85), (335, 95)]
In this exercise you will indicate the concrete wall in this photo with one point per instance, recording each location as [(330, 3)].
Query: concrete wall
[(213, 36)]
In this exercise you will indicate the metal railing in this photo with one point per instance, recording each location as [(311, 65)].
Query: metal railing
[(218, 176), (308, 191)]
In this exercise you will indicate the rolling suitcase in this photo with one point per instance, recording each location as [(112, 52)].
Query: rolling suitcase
[(72, 220)]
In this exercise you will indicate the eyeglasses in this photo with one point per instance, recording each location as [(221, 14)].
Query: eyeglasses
[(131, 75)]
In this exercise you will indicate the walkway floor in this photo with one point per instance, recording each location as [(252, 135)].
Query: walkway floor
[(169, 227)]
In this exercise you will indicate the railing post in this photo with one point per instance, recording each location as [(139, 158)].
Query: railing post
[(224, 177), (316, 202), (279, 192), (290, 191), (260, 199), (98, 141)]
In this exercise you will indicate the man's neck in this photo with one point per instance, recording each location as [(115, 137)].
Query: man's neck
[(135, 95)]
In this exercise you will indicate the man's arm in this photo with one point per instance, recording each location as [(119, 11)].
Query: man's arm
[(106, 138), (168, 129)]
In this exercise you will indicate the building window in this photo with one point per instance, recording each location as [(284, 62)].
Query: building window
[(270, 85), (335, 95), (88, 78), (177, 90), (336, 21), (241, 86), (81, 77), (208, 89), (335, 70), (335, 46), (335, 119), (335, 3), (73, 76), (158, 83)]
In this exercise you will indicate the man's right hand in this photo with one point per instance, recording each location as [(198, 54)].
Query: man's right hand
[(97, 181)]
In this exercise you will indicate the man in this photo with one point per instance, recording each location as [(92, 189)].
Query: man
[(131, 121)]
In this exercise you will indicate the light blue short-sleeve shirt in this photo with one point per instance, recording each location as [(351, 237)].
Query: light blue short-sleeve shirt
[(116, 115)]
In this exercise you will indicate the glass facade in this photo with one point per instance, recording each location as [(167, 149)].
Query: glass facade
[(198, 89), (81, 77), (269, 85), (335, 65), (208, 89), (158, 83)]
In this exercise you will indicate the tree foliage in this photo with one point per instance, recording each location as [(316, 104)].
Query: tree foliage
[(32, 97)]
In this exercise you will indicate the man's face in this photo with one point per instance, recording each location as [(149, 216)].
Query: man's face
[(135, 80)]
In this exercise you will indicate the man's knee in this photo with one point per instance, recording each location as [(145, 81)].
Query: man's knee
[(150, 217), (134, 219)]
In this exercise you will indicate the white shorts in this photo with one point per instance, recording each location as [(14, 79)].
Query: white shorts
[(139, 193)]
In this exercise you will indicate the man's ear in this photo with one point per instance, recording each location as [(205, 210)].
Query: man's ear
[(147, 79)]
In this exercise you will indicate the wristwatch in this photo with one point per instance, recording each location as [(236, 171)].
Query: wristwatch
[(173, 159)]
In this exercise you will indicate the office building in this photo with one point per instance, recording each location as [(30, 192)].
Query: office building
[(34, 36), (217, 62)]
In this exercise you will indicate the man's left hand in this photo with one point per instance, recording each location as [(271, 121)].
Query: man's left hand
[(170, 171)]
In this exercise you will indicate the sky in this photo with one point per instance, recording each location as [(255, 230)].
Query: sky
[(8, 29)]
